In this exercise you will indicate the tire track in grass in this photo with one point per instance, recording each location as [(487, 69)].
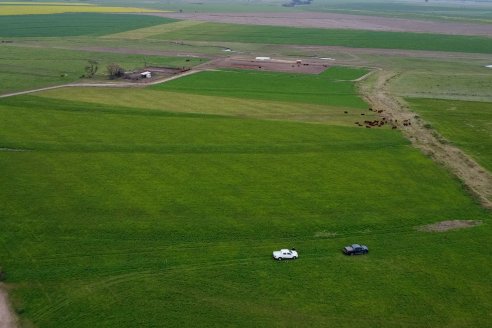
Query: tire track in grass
[(7, 316)]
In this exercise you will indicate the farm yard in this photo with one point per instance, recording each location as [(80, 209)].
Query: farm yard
[(25, 70), (133, 204), (276, 65)]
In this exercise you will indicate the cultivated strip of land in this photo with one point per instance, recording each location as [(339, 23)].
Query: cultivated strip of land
[(477, 179), (342, 21), (146, 32)]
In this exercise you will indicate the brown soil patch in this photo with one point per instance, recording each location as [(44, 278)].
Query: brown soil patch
[(275, 65), (449, 225), (338, 21), (477, 179), (325, 234)]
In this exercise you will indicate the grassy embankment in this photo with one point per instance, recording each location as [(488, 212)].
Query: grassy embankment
[(466, 124), (135, 217)]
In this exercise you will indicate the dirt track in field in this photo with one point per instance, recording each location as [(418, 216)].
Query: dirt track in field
[(477, 179), (309, 66), (7, 317), (341, 21)]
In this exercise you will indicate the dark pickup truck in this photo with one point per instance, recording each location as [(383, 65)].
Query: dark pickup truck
[(355, 249)]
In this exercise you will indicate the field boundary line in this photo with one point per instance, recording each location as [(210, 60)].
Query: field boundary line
[(8, 319), (473, 176)]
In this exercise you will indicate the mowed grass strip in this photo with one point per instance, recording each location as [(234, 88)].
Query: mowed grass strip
[(44, 9), (467, 124), (324, 89), (100, 217), (177, 102), (330, 37), (146, 32), (73, 24)]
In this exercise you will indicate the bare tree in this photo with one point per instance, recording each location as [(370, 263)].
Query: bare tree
[(115, 71)]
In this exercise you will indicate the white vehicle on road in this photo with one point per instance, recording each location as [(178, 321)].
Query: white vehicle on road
[(285, 254)]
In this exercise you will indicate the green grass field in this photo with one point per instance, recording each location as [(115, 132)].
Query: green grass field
[(329, 88), (471, 83), (465, 123), (242, 94), (73, 24), (138, 99), (28, 68), (448, 11), (330, 37), (127, 217), (160, 206), (146, 32)]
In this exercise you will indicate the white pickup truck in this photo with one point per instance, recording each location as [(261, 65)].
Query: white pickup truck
[(285, 254)]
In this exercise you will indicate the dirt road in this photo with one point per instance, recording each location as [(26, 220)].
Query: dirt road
[(341, 21), (7, 317), (102, 84), (477, 179)]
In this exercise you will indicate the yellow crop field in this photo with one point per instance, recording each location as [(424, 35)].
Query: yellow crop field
[(14, 8), (46, 3), (146, 32)]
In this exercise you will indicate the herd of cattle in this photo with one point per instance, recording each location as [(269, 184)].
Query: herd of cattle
[(381, 122)]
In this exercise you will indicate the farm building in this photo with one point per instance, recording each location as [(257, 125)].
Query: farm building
[(146, 74)]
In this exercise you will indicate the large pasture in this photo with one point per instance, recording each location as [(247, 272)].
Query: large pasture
[(262, 95), (73, 24), (126, 216), (160, 206), (333, 87)]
